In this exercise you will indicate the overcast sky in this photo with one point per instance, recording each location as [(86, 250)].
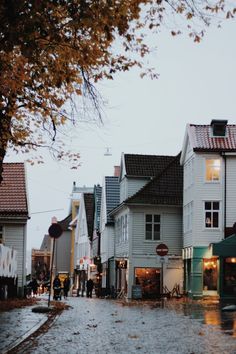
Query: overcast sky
[(197, 83)]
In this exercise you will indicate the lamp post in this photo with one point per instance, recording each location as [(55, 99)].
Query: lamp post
[(54, 231)]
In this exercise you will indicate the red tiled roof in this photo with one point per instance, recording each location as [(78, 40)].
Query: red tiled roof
[(145, 165), (201, 138), (13, 198)]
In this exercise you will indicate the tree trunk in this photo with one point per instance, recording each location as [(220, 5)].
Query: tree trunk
[(5, 133)]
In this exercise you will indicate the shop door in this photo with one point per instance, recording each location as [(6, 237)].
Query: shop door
[(210, 274), (149, 279)]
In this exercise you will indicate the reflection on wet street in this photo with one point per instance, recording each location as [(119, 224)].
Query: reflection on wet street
[(211, 314)]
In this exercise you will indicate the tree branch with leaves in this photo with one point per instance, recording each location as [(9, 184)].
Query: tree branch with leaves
[(54, 50)]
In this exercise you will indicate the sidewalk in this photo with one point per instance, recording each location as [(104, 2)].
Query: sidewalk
[(16, 325)]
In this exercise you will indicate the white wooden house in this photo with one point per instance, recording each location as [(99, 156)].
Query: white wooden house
[(209, 206), (83, 238), (14, 215), (149, 213), (109, 200)]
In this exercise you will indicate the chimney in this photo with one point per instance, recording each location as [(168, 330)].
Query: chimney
[(218, 127), (117, 171)]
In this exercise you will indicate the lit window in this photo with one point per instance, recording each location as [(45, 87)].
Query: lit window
[(212, 170), (212, 210), (152, 227)]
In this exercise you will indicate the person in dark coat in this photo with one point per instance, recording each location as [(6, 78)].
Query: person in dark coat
[(66, 286), (57, 288), (90, 285), (34, 286)]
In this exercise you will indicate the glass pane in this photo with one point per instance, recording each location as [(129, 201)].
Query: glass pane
[(148, 231), (216, 205), (156, 234), (207, 205), (215, 220), (156, 218), (208, 221), (148, 218), (213, 170)]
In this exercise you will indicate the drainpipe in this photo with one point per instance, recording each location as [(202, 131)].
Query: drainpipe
[(225, 189)]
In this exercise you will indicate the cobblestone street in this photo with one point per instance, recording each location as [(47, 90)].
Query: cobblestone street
[(106, 326)]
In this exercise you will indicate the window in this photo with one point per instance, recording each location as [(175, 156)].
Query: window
[(212, 170), (212, 214), (1, 234), (152, 227)]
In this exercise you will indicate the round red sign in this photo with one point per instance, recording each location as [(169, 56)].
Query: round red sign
[(55, 230), (162, 249)]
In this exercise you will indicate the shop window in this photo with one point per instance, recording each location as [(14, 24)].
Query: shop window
[(229, 276), (149, 280), (152, 227), (212, 210), (212, 170), (210, 274)]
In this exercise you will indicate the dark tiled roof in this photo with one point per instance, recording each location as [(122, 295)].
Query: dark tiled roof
[(145, 165), (13, 197), (201, 138), (112, 194), (89, 208), (164, 189), (65, 222)]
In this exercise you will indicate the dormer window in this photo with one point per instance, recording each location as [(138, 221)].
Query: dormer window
[(212, 170), (218, 127)]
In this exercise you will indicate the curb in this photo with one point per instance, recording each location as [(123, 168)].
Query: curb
[(25, 336)]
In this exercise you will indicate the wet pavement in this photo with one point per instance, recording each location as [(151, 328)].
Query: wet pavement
[(16, 325), (107, 326)]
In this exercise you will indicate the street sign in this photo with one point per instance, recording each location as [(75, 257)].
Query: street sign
[(162, 249), (55, 230)]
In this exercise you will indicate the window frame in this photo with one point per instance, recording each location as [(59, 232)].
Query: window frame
[(206, 168), (212, 211), (153, 223)]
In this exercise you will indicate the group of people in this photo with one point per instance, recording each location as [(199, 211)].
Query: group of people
[(58, 284)]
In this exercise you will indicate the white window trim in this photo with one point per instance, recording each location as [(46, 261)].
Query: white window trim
[(204, 216), (152, 240)]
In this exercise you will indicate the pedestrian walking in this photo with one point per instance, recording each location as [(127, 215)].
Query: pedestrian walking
[(57, 288), (66, 286), (90, 285), (34, 286)]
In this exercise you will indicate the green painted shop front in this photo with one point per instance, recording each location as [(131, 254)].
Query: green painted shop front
[(226, 251), (201, 273)]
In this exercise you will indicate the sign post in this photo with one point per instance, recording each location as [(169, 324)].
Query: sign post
[(55, 231), (162, 251)]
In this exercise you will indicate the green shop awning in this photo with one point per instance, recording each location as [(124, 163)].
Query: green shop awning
[(225, 248)]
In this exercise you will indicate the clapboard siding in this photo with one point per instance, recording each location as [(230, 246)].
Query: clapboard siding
[(107, 243), (134, 185), (130, 186), (121, 248), (230, 191), (206, 192), (171, 231), (15, 237)]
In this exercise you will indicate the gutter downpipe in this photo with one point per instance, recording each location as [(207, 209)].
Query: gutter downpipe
[(225, 189)]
